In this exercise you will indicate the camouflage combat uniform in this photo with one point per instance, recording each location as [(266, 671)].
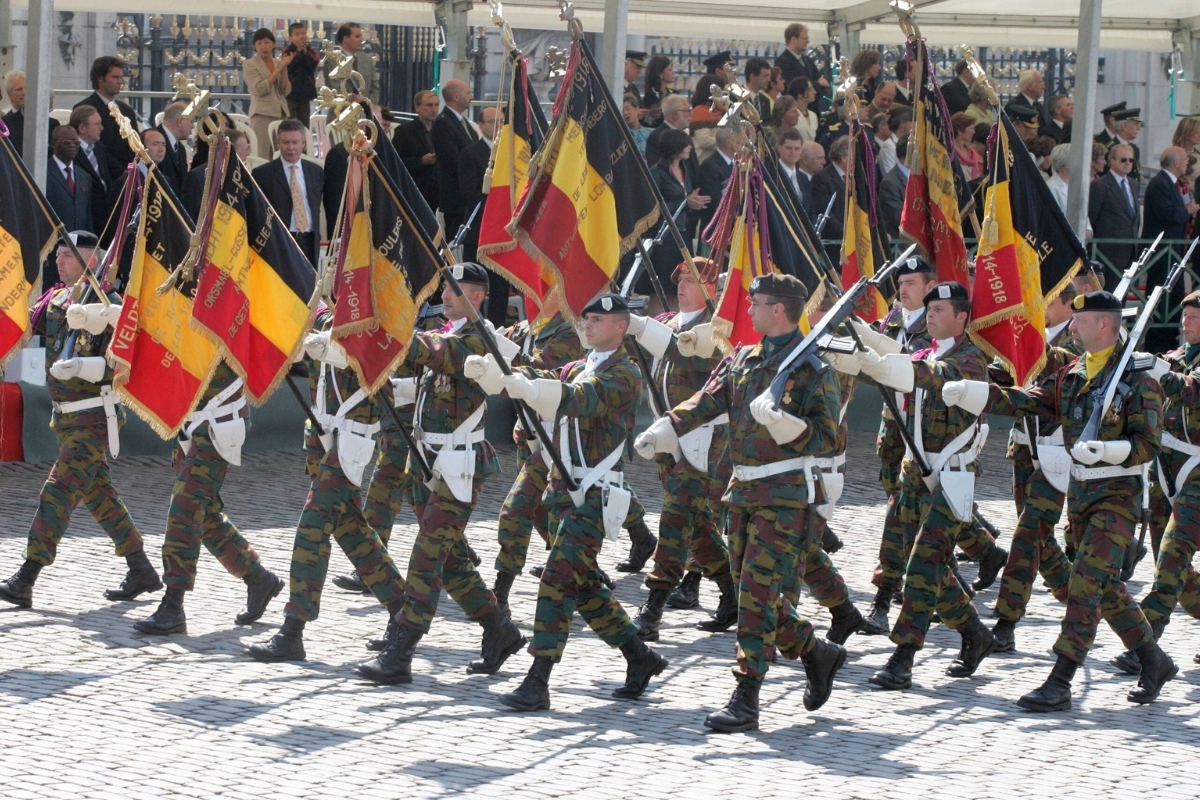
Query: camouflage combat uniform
[(889, 445)]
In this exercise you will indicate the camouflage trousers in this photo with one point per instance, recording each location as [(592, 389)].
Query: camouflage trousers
[(1034, 549), (687, 527), (572, 582), (80, 475), (196, 516), (1023, 469), (440, 559), (930, 582), (334, 508), (1175, 580), (1102, 531), (391, 484), (767, 547), (819, 574)]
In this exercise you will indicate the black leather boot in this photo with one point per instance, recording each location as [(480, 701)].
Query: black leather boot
[(739, 714), (687, 596), (261, 586), (394, 664), (537, 571), (169, 618), (876, 623), (821, 664), (650, 615), (1055, 693), (534, 692), (473, 556), (389, 633), (830, 542), (351, 582), (846, 620), (504, 582), (977, 644), (1128, 662), (643, 664), (989, 568), (605, 579), (287, 645), (141, 577), (641, 546), (897, 672), (726, 615), (18, 589), (501, 638), (1157, 669), (1003, 632)]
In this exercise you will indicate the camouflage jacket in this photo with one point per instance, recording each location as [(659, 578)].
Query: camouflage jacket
[(811, 394), (678, 377), (53, 325), (1135, 415), (552, 346), (344, 384), (446, 397), (405, 370), (1181, 388), (1059, 353), (846, 386), (890, 446)]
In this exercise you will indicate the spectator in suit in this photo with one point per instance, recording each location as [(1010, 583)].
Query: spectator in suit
[(108, 78), (831, 182), (14, 90), (472, 167), (414, 143), (1169, 203), (1127, 123), (676, 115), (193, 183), (891, 191), (715, 172), (1061, 111), (758, 78), (881, 140), (301, 72), (452, 133), (812, 161), (349, 37), (677, 182), (956, 91), (905, 90), (796, 184), (93, 160), (1030, 86), (176, 129), (795, 63), (1112, 208), (293, 187), (267, 81), (885, 96), (68, 189)]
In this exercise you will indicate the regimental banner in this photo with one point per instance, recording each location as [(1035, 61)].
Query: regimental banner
[(750, 248), (795, 248), (930, 216), (162, 364), (1026, 256), (255, 293), (589, 198), (862, 246), (27, 233), (520, 137)]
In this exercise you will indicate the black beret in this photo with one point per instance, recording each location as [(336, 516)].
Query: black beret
[(913, 266), (83, 239), (1114, 108), (777, 284), (470, 272), (1192, 300), (716, 62), (946, 290), (1127, 114), (607, 303), (1096, 301), (636, 56)]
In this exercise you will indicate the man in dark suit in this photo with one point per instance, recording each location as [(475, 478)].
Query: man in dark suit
[(1059, 126), (1169, 203), (176, 128), (1030, 86), (337, 166), (1112, 208), (92, 159), (452, 133), (891, 191), (831, 182), (14, 90), (472, 167), (714, 173), (795, 183), (677, 115), (193, 182), (414, 143), (956, 91), (812, 161), (108, 78), (68, 189), (758, 80), (795, 63), (288, 177)]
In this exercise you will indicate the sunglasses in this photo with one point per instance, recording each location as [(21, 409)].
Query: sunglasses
[(1123, 160)]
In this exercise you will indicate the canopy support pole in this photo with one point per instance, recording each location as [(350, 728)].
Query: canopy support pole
[(612, 59), (40, 42), (1083, 122)]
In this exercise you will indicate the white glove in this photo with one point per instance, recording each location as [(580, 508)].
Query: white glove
[(1114, 452), (894, 370), (404, 391), (543, 394), (970, 396), (320, 347), (485, 371), (874, 339), (637, 324), (697, 342), (658, 438), (1159, 369), (845, 363), (1087, 452), (90, 369), (92, 317), (782, 426), (651, 334)]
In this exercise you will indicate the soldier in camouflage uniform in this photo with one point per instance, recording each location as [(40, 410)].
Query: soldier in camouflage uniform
[(776, 481), (1104, 497), (1176, 519), (449, 424), (1039, 503), (86, 417), (949, 441), (590, 404), (334, 506)]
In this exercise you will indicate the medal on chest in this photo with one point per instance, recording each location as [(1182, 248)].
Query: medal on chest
[(441, 384)]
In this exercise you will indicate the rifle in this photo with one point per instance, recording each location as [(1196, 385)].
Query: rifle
[(823, 220), (1129, 274), (643, 259)]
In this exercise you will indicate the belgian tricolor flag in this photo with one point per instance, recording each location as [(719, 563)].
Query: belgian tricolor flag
[(862, 246), (27, 233), (930, 216), (750, 255), (255, 293), (1027, 254), (161, 363), (589, 198), (520, 137)]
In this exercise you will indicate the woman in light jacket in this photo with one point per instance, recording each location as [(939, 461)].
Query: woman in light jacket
[(267, 81)]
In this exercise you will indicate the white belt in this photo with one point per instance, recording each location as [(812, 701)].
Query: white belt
[(82, 405), (449, 439), (611, 476), (1082, 473), (835, 463), (747, 473), (214, 410), (1172, 442), (958, 460), (331, 421), (109, 401)]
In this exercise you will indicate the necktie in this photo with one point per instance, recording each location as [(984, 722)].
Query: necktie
[(91, 156), (299, 207), (70, 181), (470, 129), (1129, 195), (181, 157)]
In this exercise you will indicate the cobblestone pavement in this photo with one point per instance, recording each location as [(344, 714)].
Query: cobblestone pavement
[(95, 710)]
